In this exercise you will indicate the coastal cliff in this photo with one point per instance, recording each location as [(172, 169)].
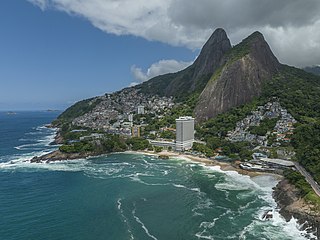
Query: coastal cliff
[(58, 156), (291, 204)]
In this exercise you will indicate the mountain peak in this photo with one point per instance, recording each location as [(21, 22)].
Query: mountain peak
[(211, 55), (196, 76), (218, 35), (246, 67), (256, 34)]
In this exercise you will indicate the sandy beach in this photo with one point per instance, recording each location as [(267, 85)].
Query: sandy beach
[(224, 166)]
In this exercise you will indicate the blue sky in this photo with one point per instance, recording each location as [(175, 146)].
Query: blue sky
[(50, 59), (56, 52)]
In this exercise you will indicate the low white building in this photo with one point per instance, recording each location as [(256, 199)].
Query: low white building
[(164, 144)]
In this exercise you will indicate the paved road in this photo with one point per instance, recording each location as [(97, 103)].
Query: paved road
[(309, 178)]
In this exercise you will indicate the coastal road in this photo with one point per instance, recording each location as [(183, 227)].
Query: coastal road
[(309, 178)]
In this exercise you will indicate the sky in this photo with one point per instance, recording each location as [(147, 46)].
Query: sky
[(56, 52)]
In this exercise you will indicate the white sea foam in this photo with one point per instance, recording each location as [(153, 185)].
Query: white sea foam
[(203, 204), (142, 224), (30, 145), (276, 228), (124, 218), (135, 178), (179, 186), (184, 187), (263, 187), (208, 225), (201, 235)]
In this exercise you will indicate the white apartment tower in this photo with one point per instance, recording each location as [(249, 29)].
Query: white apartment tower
[(184, 133), (140, 109)]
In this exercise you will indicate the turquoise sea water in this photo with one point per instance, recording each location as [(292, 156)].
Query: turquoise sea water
[(124, 196)]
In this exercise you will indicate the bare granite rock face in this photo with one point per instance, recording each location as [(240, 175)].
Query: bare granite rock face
[(240, 79), (208, 61), (196, 76)]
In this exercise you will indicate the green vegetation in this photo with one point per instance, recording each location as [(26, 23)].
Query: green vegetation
[(221, 124), (78, 147), (138, 143), (241, 49), (306, 191), (306, 141), (168, 135), (78, 109), (69, 133), (204, 149), (169, 120), (214, 131), (110, 143), (113, 143), (266, 125), (157, 149), (179, 83), (237, 52), (299, 92)]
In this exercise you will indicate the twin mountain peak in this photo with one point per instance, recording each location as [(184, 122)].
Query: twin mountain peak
[(225, 76), (222, 76)]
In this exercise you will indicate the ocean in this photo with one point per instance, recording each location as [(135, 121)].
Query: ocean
[(124, 195)]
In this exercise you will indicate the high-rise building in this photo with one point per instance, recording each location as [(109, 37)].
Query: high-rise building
[(130, 117), (140, 109), (184, 133)]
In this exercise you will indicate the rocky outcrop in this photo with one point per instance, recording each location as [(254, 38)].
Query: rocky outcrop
[(195, 76), (292, 205), (208, 61), (241, 78), (58, 156), (58, 139)]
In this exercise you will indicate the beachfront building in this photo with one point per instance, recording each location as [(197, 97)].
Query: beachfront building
[(163, 144), (140, 109), (184, 133)]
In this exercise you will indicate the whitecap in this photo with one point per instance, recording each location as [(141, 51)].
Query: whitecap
[(142, 224), (124, 218)]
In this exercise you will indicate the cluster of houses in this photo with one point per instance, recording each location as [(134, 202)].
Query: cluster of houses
[(115, 113), (282, 130)]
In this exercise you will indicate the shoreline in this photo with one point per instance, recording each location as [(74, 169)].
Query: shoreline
[(289, 203), (224, 166), (309, 224)]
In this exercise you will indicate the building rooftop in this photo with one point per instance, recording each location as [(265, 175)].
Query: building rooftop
[(278, 161), (185, 118)]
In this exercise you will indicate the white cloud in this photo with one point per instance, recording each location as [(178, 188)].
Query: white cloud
[(290, 26), (40, 3), (158, 68)]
